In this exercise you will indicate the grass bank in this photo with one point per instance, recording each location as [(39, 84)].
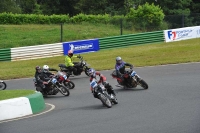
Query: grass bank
[(8, 94), (138, 55), (28, 35)]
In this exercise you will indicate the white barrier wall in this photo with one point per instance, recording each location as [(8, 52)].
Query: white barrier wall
[(16, 107), (182, 33), (35, 52)]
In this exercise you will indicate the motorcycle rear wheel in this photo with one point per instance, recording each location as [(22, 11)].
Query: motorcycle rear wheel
[(114, 100), (105, 101), (3, 85), (69, 84)]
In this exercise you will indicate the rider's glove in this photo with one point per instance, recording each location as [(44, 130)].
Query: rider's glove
[(45, 82), (78, 56)]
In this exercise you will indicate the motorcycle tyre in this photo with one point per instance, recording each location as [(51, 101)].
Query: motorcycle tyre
[(115, 101), (69, 84), (86, 71), (67, 93), (143, 84), (4, 85), (105, 101)]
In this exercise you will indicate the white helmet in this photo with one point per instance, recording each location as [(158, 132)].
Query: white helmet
[(45, 68), (118, 60), (92, 72)]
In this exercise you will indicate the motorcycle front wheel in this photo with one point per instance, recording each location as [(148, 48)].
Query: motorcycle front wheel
[(3, 85), (69, 84), (64, 90), (105, 101), (143, 84), (87, 71)]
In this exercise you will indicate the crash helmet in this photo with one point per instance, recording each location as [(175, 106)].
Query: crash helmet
[(45, 68), (70, 53), (38, 69), (92, 72), (118, 60)]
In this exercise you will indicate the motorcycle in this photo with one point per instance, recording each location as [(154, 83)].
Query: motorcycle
[(62, 78), (53, 87), (83, 67), (3, 85), (102, 94), (131, 79)]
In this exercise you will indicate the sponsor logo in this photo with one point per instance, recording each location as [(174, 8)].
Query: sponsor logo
[(173, 35), (80, 47)]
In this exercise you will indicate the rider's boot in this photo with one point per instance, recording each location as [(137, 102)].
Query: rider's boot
[(110, 89)]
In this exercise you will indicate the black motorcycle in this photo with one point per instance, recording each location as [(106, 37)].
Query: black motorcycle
[(131, 79), (102, 94), (53, 87), (82, 67), (2, 85)]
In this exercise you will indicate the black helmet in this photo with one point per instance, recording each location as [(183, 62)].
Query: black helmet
[(37, 68)]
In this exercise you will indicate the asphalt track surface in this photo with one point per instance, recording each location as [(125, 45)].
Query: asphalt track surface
[(170, 105)]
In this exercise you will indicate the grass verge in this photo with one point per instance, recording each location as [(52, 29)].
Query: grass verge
[(8, 94), (138, 55), (27, 35)]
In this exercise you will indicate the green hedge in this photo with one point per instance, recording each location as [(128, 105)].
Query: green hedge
[(10, 18)]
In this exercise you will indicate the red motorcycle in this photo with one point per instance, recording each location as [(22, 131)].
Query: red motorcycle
[(62, 78), (131, 79)]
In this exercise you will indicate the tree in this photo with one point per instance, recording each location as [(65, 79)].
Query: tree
[(9, 6), (147, 15)]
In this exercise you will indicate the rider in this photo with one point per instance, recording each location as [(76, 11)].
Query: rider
[(120, 67), (102, 80), (39, 77), (46, 70), (69, 63)]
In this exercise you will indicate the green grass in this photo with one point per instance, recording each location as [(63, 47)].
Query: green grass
[(27, 35), (8, 94), (138, 55)]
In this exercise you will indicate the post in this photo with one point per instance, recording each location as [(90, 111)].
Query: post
[(121, 20), (182, 20), (61, 32)]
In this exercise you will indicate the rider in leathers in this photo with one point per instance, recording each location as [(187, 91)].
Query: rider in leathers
[(69, 63), (46, 70), (120, 67), (102, 80), (40, 78)]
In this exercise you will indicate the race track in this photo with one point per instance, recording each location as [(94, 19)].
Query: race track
[(170, 105)]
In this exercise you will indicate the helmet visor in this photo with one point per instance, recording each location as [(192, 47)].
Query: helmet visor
[(46, 70), (119, 61), (71, 54)]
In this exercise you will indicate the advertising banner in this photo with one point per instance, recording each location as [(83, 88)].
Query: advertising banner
[(182, 33), (82, 46)]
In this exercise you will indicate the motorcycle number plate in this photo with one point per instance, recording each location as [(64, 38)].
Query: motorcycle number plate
[(93, 84), (133, 73), (54, 80), (65, 77)]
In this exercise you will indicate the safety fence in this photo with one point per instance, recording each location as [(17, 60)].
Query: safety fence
[(131, 39), (5, 54), (38, 51), (50, 50)]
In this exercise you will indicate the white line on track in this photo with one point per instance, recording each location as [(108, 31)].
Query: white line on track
[(52, 107)]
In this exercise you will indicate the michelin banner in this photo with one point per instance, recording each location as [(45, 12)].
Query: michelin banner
[(82, 46), (182, 34)]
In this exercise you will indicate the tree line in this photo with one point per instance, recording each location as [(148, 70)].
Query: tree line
[(112, 7)]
